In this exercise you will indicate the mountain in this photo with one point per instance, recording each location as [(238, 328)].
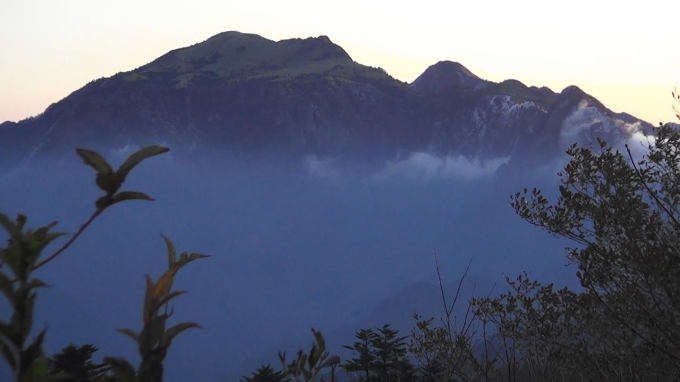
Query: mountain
[(289, 250), (244, 93)]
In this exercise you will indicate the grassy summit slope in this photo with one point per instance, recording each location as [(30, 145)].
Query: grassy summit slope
[(242, 56)]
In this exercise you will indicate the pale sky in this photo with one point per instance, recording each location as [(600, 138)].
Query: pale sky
[(626, 54)]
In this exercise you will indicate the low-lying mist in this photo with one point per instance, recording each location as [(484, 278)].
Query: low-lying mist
[(293, 245)]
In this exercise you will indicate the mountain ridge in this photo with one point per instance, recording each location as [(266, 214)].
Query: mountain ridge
[(245, 93)]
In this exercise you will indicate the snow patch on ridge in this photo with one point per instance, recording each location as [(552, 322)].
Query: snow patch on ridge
[(506, 106), (507, 109), (501, 108)]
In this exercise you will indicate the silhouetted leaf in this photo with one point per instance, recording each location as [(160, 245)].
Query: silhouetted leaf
[(94, 160), (177, 329), (313, 356), (334, 360), (34, 351), (171, 251), (35, 283), (139, 156), (184, 258), (41, 233), (319, 340), (164, 300), (129, 195), (130, 333), (162, 287), (12, 229)]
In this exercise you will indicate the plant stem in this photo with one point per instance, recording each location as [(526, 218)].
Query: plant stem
[(71, 240)]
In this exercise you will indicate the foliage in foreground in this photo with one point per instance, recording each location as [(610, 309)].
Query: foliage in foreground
[(22, 256)]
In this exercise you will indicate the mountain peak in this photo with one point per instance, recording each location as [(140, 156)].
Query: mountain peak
[(317, 48), (229, 35), (445, 75), (235, 54), (573, 90), (571, 96)]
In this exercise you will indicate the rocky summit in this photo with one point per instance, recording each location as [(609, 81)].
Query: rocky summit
[(244, 93)]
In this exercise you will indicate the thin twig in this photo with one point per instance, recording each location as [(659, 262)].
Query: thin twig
[(441, 290), (71, 240)]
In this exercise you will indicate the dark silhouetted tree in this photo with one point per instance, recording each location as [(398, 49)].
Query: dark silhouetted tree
[(75, 363), (381, 356), (265, 374), (364, 361), (623, 216)]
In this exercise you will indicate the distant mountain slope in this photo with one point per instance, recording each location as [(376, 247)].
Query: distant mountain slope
[(244, 93)]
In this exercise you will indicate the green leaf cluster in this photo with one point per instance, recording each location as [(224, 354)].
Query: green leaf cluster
[(110, 181), (154, 339)]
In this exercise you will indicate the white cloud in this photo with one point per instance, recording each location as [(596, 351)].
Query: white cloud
[(587, 122), (418, 166), (580, 124), (639, 144), (320, 168), (423, 166)]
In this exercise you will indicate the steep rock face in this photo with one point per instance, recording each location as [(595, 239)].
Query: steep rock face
[(244, 93)]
